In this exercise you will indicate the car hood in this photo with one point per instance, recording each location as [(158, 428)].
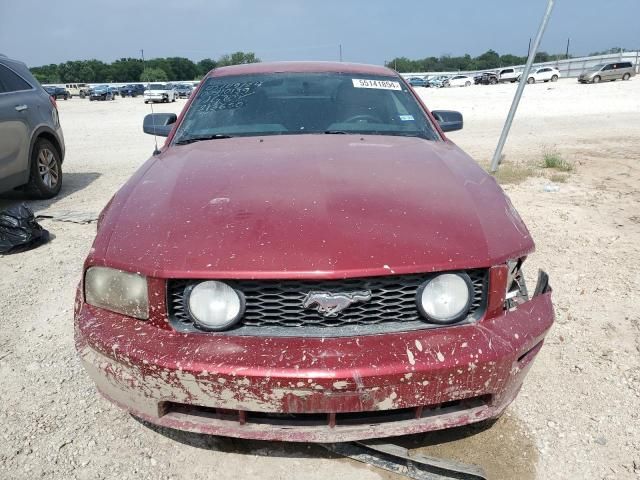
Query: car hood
[(309, 206)]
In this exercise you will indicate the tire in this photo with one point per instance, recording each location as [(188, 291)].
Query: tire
[(146, 101), (45, 180), (174, 99), (597, 79), (493, 81), (554, 78), (82, 95), (531, 81), (90, 99), (467, 84), (626, 76)]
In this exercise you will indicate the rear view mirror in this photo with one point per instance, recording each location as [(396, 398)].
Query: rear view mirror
[(159, 124), (448, 120)]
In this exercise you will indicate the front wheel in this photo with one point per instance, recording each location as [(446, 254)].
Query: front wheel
[(493, 81), (626, 76), (554, 78), (531, 80), (45, 179), (596, 79), (82, 95), (467, 84)]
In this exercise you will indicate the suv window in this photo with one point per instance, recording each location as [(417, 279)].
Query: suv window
[(608, 67), (10, 82), (507, 70), (624, 65)]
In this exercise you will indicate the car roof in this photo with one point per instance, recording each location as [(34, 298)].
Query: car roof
[(302, 67)]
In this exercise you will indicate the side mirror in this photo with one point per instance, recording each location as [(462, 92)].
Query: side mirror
[(448, 120), (159, 124)]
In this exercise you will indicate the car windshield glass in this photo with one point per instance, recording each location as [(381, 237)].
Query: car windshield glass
[(299, 103), (158, 86)]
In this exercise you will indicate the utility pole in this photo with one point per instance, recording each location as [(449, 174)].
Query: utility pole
[(340, 52), (497, 156), (529, 48), (568, 43)]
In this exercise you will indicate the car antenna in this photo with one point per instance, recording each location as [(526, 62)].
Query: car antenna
[(156, 151)]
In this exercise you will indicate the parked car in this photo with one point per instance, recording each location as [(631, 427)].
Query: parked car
[(478, 76), (132, 90), (183, 90), (418, 82), (438, 81), (77, 89), (608, 72), (459, 81), (101, 92), (487, 78), (58, 92), (159, 92), (261, 268), (543, 74), (508, 75), (31, 141)]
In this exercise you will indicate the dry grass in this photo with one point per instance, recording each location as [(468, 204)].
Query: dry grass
[(513, 173), (558, 177)]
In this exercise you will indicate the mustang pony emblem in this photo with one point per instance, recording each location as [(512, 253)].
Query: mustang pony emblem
[(330, 304)]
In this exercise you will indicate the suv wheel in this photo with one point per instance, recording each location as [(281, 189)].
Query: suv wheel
[(626, 76), (531, 80), (554, 78), (46, 170), (596, 79)]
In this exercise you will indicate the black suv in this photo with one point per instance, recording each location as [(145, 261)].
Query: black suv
[(486, 78), (58, 92), (132, 90)]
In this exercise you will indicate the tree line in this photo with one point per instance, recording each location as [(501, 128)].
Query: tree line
[(487, 61), (135, 70)]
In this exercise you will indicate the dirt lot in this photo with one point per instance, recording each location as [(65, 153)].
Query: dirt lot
[(577, 414)]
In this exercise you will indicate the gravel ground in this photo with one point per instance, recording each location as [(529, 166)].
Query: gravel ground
[(577, 414)]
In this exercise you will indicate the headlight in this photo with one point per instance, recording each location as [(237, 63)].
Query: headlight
[(118, 291), (445, 298), (214, 305)]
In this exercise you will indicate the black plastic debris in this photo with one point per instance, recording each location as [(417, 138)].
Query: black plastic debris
[(19, 230), (401, 461)]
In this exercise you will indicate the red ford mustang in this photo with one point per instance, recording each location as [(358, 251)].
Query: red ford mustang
[(308, 258)]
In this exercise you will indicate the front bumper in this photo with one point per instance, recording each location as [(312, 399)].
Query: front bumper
[(312, 389)]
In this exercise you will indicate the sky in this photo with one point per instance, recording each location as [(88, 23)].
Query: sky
[(370, 31)]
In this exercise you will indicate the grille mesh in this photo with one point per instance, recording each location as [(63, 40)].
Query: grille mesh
[(275, 306)]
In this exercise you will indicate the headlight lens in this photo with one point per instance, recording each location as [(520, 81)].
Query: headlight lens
[(214, 305), (445, 298), (118, 291)]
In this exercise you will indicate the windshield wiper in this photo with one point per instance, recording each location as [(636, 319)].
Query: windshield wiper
[(201, 138)]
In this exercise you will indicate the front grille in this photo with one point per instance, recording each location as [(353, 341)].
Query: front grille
[(200, 414), (274, 307)]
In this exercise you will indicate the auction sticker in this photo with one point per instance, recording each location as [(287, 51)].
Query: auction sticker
[(379, 84)]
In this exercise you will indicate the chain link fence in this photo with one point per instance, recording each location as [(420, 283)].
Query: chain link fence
[(569, 68)]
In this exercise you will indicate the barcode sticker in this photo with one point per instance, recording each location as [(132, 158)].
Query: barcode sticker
[(378, 84)]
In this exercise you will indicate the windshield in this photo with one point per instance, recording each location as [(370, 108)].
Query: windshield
[(596, 68), (158, 86), (299, 103)]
